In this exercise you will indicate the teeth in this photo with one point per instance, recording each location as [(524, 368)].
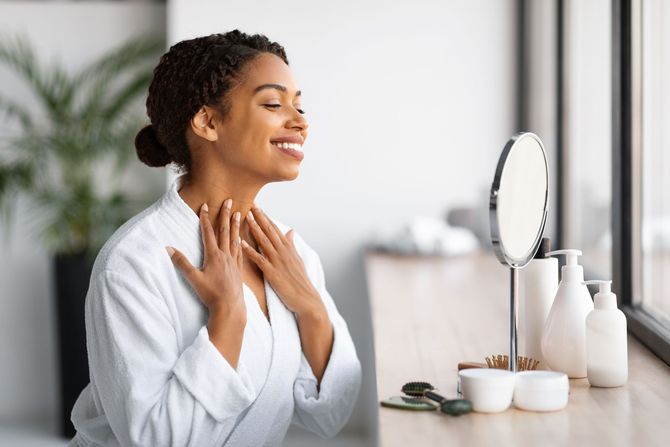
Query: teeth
[(294, 146)]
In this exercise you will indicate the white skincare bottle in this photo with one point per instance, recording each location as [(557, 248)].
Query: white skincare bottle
[(564, 333), (539, 283), (606, 340)]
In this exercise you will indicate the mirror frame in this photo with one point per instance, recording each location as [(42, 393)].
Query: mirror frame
[(498, 246)]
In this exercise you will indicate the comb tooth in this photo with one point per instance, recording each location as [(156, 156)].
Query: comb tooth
[(488, 362)]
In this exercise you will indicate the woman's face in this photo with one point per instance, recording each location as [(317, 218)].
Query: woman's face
[(264, 130)]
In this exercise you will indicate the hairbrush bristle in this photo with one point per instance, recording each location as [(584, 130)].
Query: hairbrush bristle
[(502, 362), (416, 388)]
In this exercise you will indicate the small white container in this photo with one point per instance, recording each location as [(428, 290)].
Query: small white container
[(541, 390), (489, 390)]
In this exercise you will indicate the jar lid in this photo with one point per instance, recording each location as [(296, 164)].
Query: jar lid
[(542, 380)]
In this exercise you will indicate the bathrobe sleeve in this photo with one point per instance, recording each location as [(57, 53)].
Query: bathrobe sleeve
[(153, 394), (326, 409)]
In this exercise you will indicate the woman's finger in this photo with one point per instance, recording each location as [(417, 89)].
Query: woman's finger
[(224, 226), (208, 238), (257, 232), (235, 236), (240, 256), (258, 259), (183, 264), (267, 226)]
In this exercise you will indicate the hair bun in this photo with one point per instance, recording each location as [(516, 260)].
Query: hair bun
[(149, 150)]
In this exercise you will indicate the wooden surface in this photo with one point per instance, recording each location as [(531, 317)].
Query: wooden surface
[(429, 314)]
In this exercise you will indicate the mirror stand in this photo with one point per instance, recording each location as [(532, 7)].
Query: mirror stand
[(513, 318)]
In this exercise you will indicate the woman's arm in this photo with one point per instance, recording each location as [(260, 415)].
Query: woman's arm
[(316, 338), (151, 393), (329, 379), (219, 283)]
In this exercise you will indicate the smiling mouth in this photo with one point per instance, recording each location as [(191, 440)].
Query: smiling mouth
[(291, 149), (293, 146)]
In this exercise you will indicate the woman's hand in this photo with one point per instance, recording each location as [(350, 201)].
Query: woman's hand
[(281, 265), (219, 283)]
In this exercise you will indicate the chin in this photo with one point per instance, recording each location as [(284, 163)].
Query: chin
[(292, 175), (284, 176)]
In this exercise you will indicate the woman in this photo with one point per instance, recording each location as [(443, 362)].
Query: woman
[(231, 335)]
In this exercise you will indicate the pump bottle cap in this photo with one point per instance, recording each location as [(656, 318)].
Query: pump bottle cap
[(604, 299), (572, 271), (570, 255)]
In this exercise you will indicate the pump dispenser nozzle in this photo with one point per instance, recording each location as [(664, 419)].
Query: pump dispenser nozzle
[(570, 255), (604, 299), (571, 270)]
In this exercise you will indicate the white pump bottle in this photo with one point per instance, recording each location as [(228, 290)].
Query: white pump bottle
[(606, 340), (564, 333)]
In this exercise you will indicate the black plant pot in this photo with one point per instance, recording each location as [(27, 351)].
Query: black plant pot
[(72, 275)]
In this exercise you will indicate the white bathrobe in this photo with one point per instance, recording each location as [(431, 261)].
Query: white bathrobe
[(157, 380)]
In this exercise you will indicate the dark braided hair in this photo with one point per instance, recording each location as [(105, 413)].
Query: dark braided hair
[(191, 74)]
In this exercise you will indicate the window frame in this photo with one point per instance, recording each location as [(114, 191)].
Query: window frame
[(626, 167)]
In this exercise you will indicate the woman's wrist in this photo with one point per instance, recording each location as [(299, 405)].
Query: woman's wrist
[(314, 312), (226, 331)]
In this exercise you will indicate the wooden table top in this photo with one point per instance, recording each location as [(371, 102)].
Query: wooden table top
[(429, 314)]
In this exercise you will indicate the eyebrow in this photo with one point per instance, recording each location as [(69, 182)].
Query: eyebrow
[(276, 87)]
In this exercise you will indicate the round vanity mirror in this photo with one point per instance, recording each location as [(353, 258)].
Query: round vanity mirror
[(518, 212), (519, 194)]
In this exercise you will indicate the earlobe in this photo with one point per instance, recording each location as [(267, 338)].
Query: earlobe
[(202, 124)]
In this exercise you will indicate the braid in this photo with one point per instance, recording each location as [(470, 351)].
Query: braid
[(191, 74)]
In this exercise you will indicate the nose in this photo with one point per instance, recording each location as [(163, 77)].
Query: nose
[(298, 121)]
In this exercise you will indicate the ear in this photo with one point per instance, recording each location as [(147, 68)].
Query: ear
[(202, 124)]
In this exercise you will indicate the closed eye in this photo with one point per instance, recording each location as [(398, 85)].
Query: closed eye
[(275, 106)]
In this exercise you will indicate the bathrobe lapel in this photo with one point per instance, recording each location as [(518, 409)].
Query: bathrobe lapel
[(254, 427)]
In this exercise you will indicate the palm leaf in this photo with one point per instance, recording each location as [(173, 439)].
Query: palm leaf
[(85, 118), (14, 110)]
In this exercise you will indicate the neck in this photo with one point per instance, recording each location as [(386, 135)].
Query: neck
[(215, 185)]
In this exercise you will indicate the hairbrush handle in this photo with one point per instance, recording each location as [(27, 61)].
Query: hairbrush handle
[(432, 395)]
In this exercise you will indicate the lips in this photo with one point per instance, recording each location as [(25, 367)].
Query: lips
[(296, 139), (292, 150)]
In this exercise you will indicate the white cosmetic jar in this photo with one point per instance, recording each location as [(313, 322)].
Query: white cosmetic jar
[(541, 390), (489, 390)]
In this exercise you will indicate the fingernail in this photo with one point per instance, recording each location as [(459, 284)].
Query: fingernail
[(229, 203), (205, 208), (244, 243), (237, 216), (170, 250), (250, 215), (239, 240)]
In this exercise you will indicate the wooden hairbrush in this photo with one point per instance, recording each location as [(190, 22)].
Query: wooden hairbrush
[(502, 362)]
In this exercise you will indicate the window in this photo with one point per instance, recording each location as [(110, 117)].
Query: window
[(654, 247), (641, 189)]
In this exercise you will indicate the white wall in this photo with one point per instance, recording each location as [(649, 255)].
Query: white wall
[(409, 105), (76, 33)]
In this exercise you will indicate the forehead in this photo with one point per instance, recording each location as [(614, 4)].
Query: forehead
[(268, 69)]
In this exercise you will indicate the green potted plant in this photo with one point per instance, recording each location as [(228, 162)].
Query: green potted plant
[(54, 153)]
